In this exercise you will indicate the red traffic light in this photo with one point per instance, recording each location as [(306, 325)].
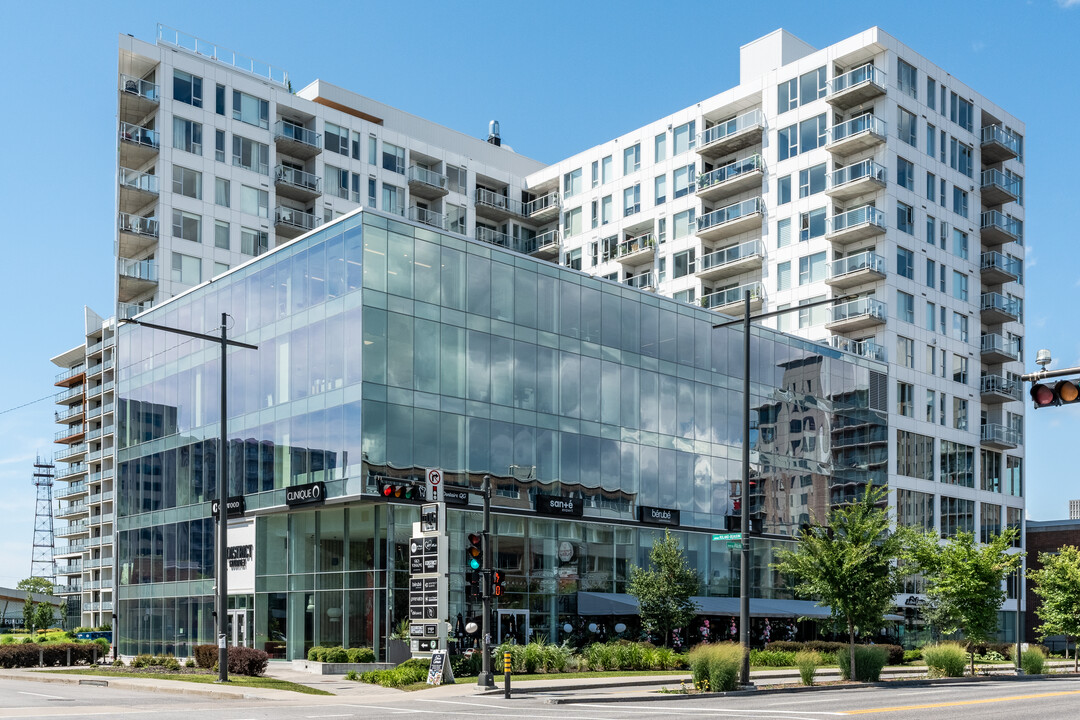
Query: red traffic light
[(1064, 392)]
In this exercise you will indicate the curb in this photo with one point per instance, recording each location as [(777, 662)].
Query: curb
[(126, 684)]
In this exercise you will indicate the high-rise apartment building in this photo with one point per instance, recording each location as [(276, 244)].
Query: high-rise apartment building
[(1074, 509), (861, 172)]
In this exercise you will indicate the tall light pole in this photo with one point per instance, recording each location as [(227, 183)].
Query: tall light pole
[(220, 569)]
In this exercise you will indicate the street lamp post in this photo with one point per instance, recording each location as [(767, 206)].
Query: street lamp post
[(220, 570)]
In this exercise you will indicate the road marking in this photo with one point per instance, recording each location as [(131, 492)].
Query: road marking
[(458, 702), (698, 711), (962, 702), (58, 697), (315, 717)]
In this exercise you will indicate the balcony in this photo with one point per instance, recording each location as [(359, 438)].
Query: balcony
[(69, 549), (732, 301), (732, 220), (138, 145), (137, 190), (78, 528), (75, 488), (543, 209), (130, 310), (138, 98), (290, 222), (497, 207), (65, 396), (72, 510), (731, 179), (731, 261), (296, 141), (856, 87), (998, 144), (856, 270), (998, 269), (426, 217), (70, 434), (856, 224), (997, 188), (66, 589), (636, 250), (138, 234), (545, 245), (136, 278), (493, 237), (856, 135), (641, 281), (999, 437), (427, 183), (997, 309), (996, 229), (855, 180), (863, 348), (997, 389), (69, 453), (297, 184), (731, 135), (856, 315)]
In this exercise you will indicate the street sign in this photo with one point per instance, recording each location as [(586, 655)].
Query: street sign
[(727, 536), (434, 480), (734, 546)]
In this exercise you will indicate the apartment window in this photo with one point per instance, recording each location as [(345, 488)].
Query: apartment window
[(606, 206), (931, 273), (250, 109), (572, 222), (990, 471), (595, 173), (572, 183), (254, 242), (631, 159), (915, 509), (393, 159), (801, 90), (372, 191), (682, 264), (187, 135), (907, 78), (683, 224), (1014, 476), (812, 181), (455, 218), (959, 201), (905, 351), (787, 142), (915, 456), (186, 269), (931, 402), (219, 100), (220, 268), (811, 224), (931, 140), (960, 326), (684, 180), (783, 190), (221, 234), (959, 285), (251, 155), (787, 95), (393, 199), (661, 231), (684, 138), (631, 200), (931, 92), (660, 147), (907, 128), (960, 368), (809, 317), (660, 189), (219, 145), (573, 259), (783, 276), (607, 169), (335, 138), (812, 268), (783, 232), (905, 306), (187, 88), (337, 182), (356, 145), (186, 182), (905, 173), (186, 226), (373, 156), (960, 413), (1014, 518), (222, 192), (254, 201), (1019, 180), (957, 464), (905, 399), (905, 218), (931, 316), (905, 263), (956, 516), (961, 111), (930, 231), (960, 157), (942, 312), (456, 179), (931, 186), (812, 133)]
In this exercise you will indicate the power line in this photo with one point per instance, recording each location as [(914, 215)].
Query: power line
[(32, 402)]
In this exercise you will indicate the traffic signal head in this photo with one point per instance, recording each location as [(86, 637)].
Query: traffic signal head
[(401, 490), (1063, 392), (474, 554), (497, 587)]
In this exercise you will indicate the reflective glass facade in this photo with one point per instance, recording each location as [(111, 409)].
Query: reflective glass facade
[(387, 348)]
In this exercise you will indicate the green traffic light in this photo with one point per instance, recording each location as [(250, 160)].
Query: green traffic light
[(474, 563)]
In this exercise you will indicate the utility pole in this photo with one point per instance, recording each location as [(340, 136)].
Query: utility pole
[(485, 678)]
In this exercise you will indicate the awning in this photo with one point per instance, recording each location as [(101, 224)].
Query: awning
[(596, 603)]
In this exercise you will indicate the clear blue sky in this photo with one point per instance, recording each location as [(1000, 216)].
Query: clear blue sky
[(559, 76)]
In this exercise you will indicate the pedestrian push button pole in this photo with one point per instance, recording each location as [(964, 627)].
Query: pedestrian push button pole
[(506, 676)]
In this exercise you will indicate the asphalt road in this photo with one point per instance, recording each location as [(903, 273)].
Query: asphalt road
[(1041, 699)]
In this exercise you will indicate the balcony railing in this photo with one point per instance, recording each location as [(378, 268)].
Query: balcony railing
[(198, 46), (140, 135), (142, 88), (493, 237), (867, 214), (1001, 263), (428, 177), (138, 225), (864, 348), (868, 73), (863, 123), (291, 131), (754, 118), (138, 181), (642, 281), (543, 241), (426, 217), (866, 169), (992, 219), (997, 179), (296, 218), (1000, 435), (297, 178), (70, 431), (70, 373), (999, 135), (544, 202), (1000, 303), (635, 245), (139, 269), (857, 308), (731, 212), (730, 255), (66, 453), (733, 295), (130, 310), (730, 171), (74, 488), (1000, 385), (501, 202), (868, 260)]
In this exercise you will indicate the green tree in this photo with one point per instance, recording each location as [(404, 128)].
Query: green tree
[(44, 613), (28, 614), (964, 583), (39, 585), (1057, 583), (664, 590), (850, 564)]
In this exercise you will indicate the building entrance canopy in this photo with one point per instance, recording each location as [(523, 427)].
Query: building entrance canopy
[(594, 603)]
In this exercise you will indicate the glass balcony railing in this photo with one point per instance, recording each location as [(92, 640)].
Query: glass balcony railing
[(495, 200), (853, 218), (857, 308), (133, 180), (754, 248), (74, 488), (139, 269), (636, 244), (997, 179), (997, 261), (139, 135), (70, 431), (863, 123), (297, 178), (296, 218), (642, 281), (138, 225), (731, 212), (863, 348), (733, 295), (1000, 385), (866, 169), (1000, 435), (291, 131), (130, 310), (494, 237), (998, 134), (865, 74), (992, 219), (729, 172), (735, 125), (544, 202), (189, 43), (868, 260), (142, 88), (543, 241), (427, 177), (426, 217), (66, 453), (1000, 303)]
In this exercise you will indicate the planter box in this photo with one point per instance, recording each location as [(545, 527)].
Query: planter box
[(318, 668), (397, 652)]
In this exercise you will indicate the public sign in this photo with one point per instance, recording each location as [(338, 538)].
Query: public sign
[(434, 485), (234, 507), (306, 494), (734, 546), (658, 516), (727, 536)]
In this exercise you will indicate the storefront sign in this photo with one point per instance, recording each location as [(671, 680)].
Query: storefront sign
[(658, 516), (553, 505), (306, 494), (234, 507), (240, 555), (455, 496), (566, 552)]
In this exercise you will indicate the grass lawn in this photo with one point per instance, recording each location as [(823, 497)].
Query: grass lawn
[(234, 680)]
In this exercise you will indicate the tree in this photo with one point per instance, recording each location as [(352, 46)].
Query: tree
[(664, 590), (1057, 583), (850, 564), (964, 583), (28, 614), (44, 614), (39, 585)]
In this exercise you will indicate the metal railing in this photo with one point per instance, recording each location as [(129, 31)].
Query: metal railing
[(868, 73), (70, 373), (130, 310), (71, 529), (863, 123), (719, 131), (494, 237), (70, 393), (635, 244), (551, 200), (71, 431), (996, 178), (997, 301), (754, 248), (857, 216), (863, 348), (68, 452), (998, 134), (995, 219), (69, 548), (428, 177), (495, 200), (296, 218), (138, 225), (543, 241), (427, 217), (732, 295), (997, 261), (729, 172), (198, 46), (140, 135), (138, 181), (139, 269), (1002, 434), (641, 281), (72, 508), (1000, 385), (297, 178), (299, 133), (865, 169), (143, 88), (868, 260), (731, 212), (860, 307), (75, 488)]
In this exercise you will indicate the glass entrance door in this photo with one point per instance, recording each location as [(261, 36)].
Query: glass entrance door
[(239, 631), (513, 626)]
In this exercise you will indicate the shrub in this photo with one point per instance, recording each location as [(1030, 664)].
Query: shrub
[(190, 663), (785, 646), (7, 640), (772, 658), (1032, 661), (411, 671), (808, 662), (120, 663), (912, 655), (869, 660), (352, 675), (171, 664), (465, 666), (895, 654), (206, 656), (825, 646), (27, 640), (361, 655), (141, 661), (718, 664), (315, 653), (247, 661), (335, 655), (945, 659), (103, 646)]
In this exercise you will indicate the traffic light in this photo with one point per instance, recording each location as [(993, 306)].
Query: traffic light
[(497, 583), (401, 490), (474, 552), (1063, 392)]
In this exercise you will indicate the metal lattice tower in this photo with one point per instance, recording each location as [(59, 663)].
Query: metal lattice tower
[(43, 566)]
